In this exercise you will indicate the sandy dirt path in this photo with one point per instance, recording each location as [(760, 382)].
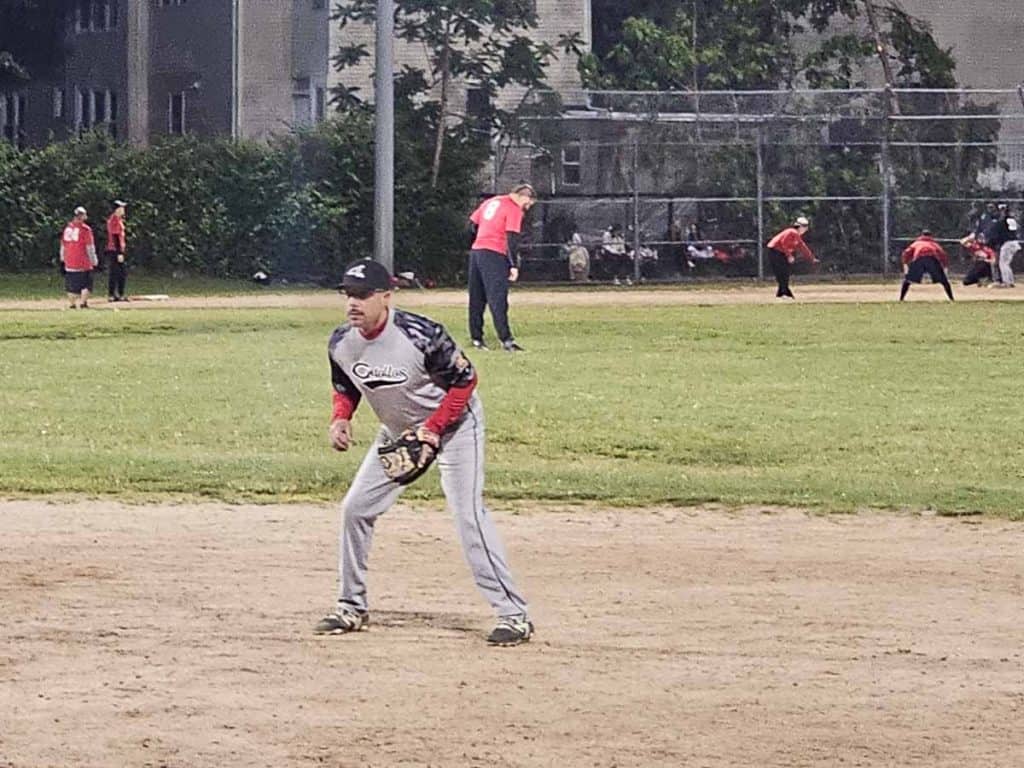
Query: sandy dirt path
[(808, 293), (179, 636)]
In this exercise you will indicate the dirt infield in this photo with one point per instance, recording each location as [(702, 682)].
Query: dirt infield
[(179, 636), (807, 293)]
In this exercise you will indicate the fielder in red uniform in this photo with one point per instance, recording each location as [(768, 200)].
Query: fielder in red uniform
[(78, 259), (117, 269), (925, 255), (984, 259), (782, 251), (493, 261)]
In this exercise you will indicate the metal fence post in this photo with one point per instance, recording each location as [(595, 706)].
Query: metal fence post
[(760, 203), (636, 212), (885, 168)]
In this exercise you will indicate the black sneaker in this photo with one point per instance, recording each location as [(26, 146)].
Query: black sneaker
[(511, 631), (342, 623), (511, 346), (478, 344)]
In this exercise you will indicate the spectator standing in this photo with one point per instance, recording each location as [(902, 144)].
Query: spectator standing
[(117, 269), (494, 261), (925, 255), (782, 250), (578, 258), (78, 259)]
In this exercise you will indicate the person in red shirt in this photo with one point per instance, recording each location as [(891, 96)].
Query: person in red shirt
[(117, 270), (78, 258), (782, 250), (493, 261), (925, 255), (984, 259)]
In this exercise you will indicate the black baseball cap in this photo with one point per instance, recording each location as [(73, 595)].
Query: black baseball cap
[(365, 276)]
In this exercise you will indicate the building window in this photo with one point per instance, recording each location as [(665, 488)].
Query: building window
[(320, 105), (99, 107), (176, 113), (319, 5), (571, 164), (169, 3), (112, 113), (58, 103), (95, 15), (13, 108)]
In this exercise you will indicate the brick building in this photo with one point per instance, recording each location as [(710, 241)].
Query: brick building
[(146, 68)]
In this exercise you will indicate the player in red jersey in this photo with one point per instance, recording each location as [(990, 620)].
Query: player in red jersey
[(115, 252), (782, 250), (78, 259), (493, 261), (925, 255)]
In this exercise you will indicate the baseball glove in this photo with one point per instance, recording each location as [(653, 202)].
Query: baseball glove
[(409, 456)]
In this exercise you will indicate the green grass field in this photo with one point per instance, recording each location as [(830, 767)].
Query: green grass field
[(835, 407)]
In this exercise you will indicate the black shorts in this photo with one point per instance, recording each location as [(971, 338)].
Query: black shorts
[(929, 264), (76, 282)]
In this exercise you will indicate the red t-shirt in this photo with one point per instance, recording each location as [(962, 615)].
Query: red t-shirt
[(494, 219), (76, 239), (925, 246), (789, 241), (115, 233)]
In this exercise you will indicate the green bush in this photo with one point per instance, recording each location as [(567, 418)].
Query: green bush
[(299, 206)]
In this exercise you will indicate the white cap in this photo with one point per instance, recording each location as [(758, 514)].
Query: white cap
[(79, 210), (801, 221), (120, 203), (1011, 224)]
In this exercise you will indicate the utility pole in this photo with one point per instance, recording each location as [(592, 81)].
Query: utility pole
[(384, 135)]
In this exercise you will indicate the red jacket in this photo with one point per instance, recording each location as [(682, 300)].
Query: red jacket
[(925, 245), (789, 241)]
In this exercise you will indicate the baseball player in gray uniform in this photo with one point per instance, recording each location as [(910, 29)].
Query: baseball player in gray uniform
[(415, 378)]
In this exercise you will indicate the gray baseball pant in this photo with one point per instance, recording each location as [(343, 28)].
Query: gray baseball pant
[(1006, 254), (461, 463)]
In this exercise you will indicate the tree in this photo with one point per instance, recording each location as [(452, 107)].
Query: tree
[(745, 44), (484, 44), (31, 38)]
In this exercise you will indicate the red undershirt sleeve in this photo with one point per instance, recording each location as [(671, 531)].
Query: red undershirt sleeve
[(451, 407), (343, 407)]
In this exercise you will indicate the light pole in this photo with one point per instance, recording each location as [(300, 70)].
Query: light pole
[(384, 135)]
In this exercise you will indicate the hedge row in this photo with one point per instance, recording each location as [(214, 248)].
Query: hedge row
[(300, 206)]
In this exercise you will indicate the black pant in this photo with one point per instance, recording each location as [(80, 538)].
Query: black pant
[(780, 268), (488, 286), (979, 271), (117, 274)]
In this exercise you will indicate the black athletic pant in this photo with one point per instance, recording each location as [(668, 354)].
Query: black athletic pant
[(979, 270), (117, 274), (780, 268), (921, 266), (488, 287)]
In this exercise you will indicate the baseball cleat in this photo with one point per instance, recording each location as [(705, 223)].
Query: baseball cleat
[(511, 346), (511, 631), (477, 344), (342, 623)]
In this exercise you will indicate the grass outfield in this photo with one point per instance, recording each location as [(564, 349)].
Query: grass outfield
[(830, 406)]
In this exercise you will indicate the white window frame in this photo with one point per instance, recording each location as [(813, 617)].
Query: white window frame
[(14, 118), (59, 103), (577, 164)]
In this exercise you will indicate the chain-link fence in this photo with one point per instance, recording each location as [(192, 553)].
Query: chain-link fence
[(665, 186)]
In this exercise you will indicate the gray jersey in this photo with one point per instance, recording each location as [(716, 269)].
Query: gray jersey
[(404, 372)]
